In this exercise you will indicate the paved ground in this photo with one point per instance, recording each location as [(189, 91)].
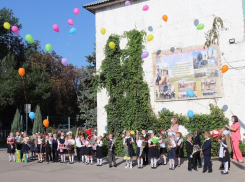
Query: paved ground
[(34, 172)]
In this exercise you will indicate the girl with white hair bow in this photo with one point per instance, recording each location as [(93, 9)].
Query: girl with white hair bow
[(225, 149)]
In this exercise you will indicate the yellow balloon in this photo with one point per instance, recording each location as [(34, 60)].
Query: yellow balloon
[(149, 37), (112, 45), (6, 25), (103, 30)]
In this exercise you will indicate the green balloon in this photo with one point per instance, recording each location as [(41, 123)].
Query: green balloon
[(200, 26), (29, 38), (48, 47)]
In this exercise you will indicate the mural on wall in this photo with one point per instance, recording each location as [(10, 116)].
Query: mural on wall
[(196, 68)]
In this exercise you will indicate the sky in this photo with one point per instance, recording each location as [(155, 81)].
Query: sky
[(38, 16)]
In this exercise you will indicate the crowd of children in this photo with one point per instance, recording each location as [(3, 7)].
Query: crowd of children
[(169, 144)]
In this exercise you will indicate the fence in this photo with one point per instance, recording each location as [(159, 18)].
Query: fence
[(4, 134)]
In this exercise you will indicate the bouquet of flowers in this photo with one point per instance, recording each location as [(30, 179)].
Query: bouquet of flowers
[(144, 142), (19, 140), (68, 145), (155, 140), (125, 151), (11, 140), (196, 148), (215, 134), (114, 140), (61, 147)]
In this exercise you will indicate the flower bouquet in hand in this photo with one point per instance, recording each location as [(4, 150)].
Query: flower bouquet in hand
[(68, 145), (61, 147), (144, 142), (155, 140), (215, 134), (196, 148), (11, 142), (114, 140)]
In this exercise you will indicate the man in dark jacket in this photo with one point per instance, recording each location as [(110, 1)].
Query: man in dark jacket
[(206, 150), (189, 150), (54, 148)]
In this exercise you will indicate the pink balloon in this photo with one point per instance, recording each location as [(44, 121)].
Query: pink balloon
[(70, 22), (145, 8), (15, 29), (56, 28), (64, 61), (76, 11)]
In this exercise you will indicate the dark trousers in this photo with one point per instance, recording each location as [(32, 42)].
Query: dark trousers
[(207, 163), (55, 155), (190, 162), (112, 158), (48, 155), (196, 158), (145, 159), (19, 146), (78, 153)]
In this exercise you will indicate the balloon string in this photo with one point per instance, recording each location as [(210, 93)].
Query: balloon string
[(24, 89)]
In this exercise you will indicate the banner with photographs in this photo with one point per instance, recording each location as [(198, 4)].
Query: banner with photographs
[(193, 68)]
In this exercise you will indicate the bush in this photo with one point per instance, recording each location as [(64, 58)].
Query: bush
[(242, 148)]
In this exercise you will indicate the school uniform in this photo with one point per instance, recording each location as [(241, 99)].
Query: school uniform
[(83, 148), (146, 149), (189, 151), (99, 153), (11, 148), (48, 149), (54, 149), (223, 148), (127, 140), (171, 152), (25, 147), (196, 156), (18, 144), (32, 145), (178, 142), (40, 148), (89, 148), (163, 149), (71, 151), (61, 141), (206, 149), (111, 153), (139, 145), (153, 151), (78, 148)]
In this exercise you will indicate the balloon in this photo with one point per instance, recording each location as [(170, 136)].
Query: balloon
[(6, 25), (145, 54), (165, 18), (31, 115), (158, 52), (149, 37), (70, 22), (103, 30), (73, 30), (145, 8), (224, 68), (48, 47), (56, 28), (76, 11), (94, 74), (225, 108), (112, 45), (190, 93), (127, 3), (29, 38), (64, 61), (45, 123), (150, 28), (196, 22), (190, 113), (200, 26), (21, 72), (15, 29), (172, 49)]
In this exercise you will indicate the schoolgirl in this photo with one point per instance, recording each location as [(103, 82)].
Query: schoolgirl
[(78, 146), (129, 141), (153, 151), (163, 151), (99, 154), (89, 153), (83, 148), (179, 144), (11, 147), (70, 142), (32, 146), (55, 148), (171, 152), (61, 147), (39, 147), (25, 145), (48, 148), (140, 153), (225, 149)]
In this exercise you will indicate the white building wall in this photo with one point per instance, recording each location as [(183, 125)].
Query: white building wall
[(179, 32)]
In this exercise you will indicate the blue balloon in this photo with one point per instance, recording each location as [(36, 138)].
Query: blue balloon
[(190, 93), (73, 30), (190, 113), (32, 115)]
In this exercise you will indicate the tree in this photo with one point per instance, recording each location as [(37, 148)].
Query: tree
[(87, 98), (16, 125), (38, 123)]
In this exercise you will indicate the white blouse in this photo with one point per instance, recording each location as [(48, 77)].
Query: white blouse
[(99, 143), (139, 143), (78, 142), (124, 140)]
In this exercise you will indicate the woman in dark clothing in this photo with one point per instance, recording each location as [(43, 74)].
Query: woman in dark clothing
[(196, 156)]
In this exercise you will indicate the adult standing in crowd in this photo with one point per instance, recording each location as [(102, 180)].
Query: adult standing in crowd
[(145, 159), (174, 126), (235, 139)]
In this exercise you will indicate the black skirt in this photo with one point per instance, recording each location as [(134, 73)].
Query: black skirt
[(138, 152), (40, 148), (171, 153), (83, 150), (99, 153), (11, 150), (89, 151), (25, 148), (153, 152), (71, 151), (163, 151), (130, 152), (177, 152), (226, 158)]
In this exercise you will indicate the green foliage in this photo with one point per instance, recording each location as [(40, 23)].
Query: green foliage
[(242, 148), (38, 122), (16, 125)]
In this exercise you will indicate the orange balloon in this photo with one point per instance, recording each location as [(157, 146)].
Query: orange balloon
[(225, 68), (165, 18), (21, 72), (45, 123)]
